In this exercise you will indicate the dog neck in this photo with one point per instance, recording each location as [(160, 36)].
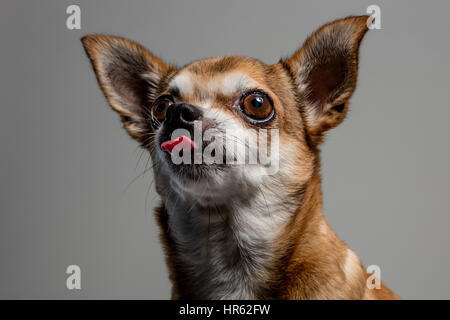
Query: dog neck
[(252, 249)]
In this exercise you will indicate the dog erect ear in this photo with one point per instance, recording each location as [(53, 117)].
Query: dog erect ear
[(128, 75), (325, 70)]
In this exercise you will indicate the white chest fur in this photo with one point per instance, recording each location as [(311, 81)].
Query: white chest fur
[(226, 252)]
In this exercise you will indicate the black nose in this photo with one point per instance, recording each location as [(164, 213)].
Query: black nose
[(182, 114)]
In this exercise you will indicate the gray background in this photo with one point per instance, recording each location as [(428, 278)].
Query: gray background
[(66, 162)]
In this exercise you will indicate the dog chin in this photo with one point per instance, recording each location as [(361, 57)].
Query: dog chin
[(208, 185)]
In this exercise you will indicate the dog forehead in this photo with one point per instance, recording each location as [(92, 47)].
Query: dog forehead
[(224, 76), (188, 84)]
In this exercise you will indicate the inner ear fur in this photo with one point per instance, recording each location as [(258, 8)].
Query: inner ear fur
[(129, 76), (325, 70)]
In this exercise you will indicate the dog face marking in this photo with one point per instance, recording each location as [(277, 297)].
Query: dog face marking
[(226, 84)]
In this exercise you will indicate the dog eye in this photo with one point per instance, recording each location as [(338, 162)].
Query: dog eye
[(159, 109), (257, 106)]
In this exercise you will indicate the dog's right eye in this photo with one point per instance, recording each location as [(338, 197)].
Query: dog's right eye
[(257, 106), (159, 109)]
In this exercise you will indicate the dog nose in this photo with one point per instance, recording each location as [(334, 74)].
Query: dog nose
[(183, 114)]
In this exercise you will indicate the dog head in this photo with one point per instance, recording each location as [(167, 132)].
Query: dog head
[(205, 123)]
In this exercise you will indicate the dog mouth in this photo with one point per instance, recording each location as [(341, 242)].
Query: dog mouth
[(188, 159), (184, 143)]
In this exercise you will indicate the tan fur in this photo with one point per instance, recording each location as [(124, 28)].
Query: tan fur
[(310, 92)]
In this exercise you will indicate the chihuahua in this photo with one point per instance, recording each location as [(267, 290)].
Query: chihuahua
[(235, 229)]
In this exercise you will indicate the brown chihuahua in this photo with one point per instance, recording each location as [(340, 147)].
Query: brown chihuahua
[(240, 229)]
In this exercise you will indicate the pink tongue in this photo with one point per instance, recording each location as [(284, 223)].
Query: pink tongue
[(186, 144)]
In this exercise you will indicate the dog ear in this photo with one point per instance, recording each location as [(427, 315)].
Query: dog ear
[(325, 69), (129, 76)]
